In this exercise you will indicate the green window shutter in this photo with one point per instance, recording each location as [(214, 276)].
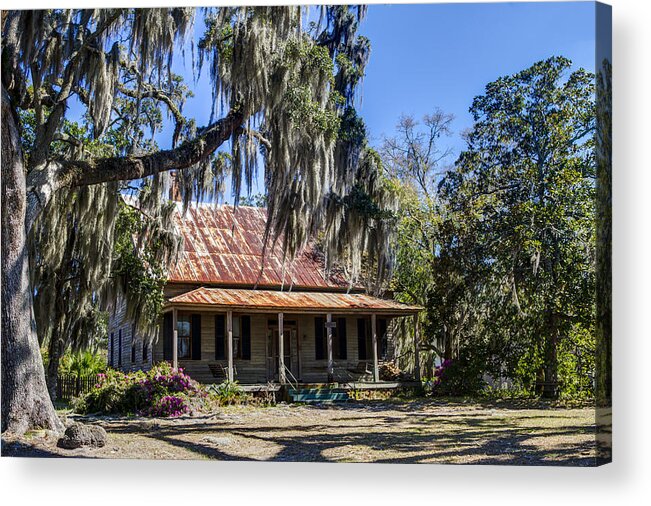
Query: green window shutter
[(341, 334), (111, 349), (167, 336), (361, 339), (196, 337), (383, 340), (245, 329), (120, 348), (220, 326), (318, 338)]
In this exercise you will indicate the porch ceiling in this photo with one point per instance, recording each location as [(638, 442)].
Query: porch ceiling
[(277, 301)]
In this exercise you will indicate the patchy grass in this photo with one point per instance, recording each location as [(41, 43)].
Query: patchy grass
[(458, 431)]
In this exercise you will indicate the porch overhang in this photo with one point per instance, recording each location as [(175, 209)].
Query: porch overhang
[(272, 301)]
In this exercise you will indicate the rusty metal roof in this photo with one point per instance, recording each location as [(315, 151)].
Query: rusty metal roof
[(273, 300), (222, 245)]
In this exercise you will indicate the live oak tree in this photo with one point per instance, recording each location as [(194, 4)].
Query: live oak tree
[(283, 94)]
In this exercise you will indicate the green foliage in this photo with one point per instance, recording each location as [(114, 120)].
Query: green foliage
[(83, 363), (459, 377), (140, 269), (229, 393), (525, 190), (502, 248)]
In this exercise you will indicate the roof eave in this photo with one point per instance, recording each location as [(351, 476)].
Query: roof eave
[(291, 310)]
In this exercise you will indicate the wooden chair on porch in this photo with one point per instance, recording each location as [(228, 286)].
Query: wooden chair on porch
[(364, 370), (220, 371)]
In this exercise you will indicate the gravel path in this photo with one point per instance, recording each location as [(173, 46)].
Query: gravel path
[(415, 431)]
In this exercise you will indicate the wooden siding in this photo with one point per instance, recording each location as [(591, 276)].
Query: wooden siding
[(118, 322)]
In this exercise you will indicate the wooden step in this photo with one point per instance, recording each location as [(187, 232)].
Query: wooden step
[(318, 395)]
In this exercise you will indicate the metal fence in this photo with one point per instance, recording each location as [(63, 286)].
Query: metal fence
[(71, 385)]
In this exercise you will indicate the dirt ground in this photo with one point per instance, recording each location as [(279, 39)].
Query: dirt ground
[(406, 431)]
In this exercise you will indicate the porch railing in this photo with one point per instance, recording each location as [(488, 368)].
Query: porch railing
[(289, 376)]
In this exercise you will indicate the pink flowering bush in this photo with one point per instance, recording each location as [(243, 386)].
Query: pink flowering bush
[(168, 405), (439, 372), (158, 392), (458, 377)]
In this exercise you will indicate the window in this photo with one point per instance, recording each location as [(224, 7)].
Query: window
[(145, 351), (339, 342), (365, 340), (241, 337), (382, 338), (184, 328)]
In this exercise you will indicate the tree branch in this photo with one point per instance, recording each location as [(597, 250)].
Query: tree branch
[(45, 131), (156, 94), (55, 174)]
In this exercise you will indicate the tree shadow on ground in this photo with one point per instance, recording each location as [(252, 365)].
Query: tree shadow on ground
[(34, 450), (476, 436)]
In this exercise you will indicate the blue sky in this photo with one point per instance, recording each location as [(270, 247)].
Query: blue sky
[(442, 55), (426, 56)]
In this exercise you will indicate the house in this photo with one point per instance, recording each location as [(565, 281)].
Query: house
[(231, 313)]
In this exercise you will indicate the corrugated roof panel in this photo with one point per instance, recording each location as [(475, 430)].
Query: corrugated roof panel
[(287, 301), (222, 246)]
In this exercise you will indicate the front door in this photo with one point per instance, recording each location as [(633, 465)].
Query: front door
[(290, 349)]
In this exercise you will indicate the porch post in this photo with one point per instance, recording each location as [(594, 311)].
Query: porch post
[(416, 348), (175, 339), (331, 364), (229, 343), (281, 351), (376, 370)]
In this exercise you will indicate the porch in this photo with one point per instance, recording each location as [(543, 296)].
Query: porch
[(263, 337)]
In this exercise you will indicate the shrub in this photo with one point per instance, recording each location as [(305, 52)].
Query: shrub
[(228, 393), (457, 378), (159, 392), (169, 405), (82, 363)]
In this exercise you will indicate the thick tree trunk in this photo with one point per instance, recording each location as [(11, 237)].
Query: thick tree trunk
[(25, 400), (550, 369)]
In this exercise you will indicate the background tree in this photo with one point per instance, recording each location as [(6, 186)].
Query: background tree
[(287, 93), (525, 184), (415, 161), (500, 248)]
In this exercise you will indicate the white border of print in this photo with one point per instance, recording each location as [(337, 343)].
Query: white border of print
[(75, 481)]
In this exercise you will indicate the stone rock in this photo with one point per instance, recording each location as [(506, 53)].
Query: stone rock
[(78, 435), (219, 441)]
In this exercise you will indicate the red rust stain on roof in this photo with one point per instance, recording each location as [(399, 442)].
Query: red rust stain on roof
[(223, 246), (273, 299)]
